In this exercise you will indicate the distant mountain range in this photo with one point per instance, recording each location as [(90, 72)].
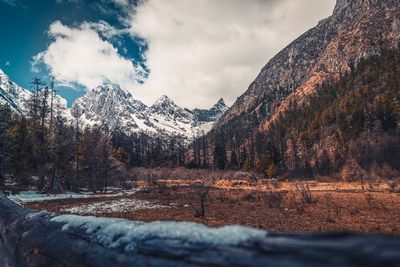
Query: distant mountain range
[(109, 104)]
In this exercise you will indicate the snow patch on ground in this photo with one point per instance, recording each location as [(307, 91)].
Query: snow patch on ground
[(127, 235), (120, 205), (32, 196)]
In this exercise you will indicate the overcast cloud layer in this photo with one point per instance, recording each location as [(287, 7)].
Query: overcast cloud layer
[(198, 51)]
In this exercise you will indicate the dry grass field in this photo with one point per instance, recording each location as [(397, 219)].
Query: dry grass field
[(272, 205)]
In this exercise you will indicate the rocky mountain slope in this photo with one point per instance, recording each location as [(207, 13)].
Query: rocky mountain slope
[(109, 104), (12, 94), (356, 30), (321, 104)]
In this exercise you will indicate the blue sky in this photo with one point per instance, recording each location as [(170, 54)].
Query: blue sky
[(193, 51), (24, 26)]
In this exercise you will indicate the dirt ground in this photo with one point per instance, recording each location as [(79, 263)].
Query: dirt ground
[(274, 206)]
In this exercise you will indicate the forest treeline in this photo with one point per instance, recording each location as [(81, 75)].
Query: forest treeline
[(46, 150), (349, 128)]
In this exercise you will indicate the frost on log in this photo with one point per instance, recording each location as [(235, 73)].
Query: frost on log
[(31, 238)]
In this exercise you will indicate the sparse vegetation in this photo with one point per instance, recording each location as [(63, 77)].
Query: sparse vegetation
[(307, 196), (275, 198), (341, 206), (202, 191), (394, 186)]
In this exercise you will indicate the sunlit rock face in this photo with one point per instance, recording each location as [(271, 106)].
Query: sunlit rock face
[(357, 29)]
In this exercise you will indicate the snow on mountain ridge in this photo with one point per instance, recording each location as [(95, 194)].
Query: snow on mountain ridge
[(213, 114), (12, 94), (109, 104)]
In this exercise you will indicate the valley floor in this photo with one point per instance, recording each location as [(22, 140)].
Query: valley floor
[(270, 205)]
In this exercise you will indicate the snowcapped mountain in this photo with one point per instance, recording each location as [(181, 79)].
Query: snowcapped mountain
[(109, 104), (17, 97), (12, 94), (212, 114)]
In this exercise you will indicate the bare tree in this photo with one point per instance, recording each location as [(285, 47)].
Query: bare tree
[(305, 193), (202, 191)]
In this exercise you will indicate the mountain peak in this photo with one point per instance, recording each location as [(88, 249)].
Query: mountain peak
[(354, 7), (112, 105), (212, 114), (109, 86), (164, 99), (3, 76), (164, 103), (340, 5), (12, 94), (320, 54), (220, 103)]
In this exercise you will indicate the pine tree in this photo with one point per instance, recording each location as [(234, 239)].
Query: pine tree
[(104, 149), (62, 152), (219, 152), (234, 163), (21, 151), (5, 116)]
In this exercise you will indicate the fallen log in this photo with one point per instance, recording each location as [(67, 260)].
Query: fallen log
[(32, 238)]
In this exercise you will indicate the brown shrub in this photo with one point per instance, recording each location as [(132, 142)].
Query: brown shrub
[(275, 199), (276, 183), (305, 193), (394, 186), (293, 203), (250, 197), (329, 202)]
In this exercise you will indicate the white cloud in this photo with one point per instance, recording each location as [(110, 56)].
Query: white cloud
[(10, 2), (204, 49), (198, 51), (79, 55), (105, 29), (65, 1), (121, 2)]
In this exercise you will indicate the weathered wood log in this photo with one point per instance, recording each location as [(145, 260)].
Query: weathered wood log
[(31, 238)]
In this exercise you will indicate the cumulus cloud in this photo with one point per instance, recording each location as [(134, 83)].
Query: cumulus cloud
[(198, 51), (80, 56), (201, 50)]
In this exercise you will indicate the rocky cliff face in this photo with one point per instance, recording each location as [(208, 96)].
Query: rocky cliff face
[(357, 29)]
